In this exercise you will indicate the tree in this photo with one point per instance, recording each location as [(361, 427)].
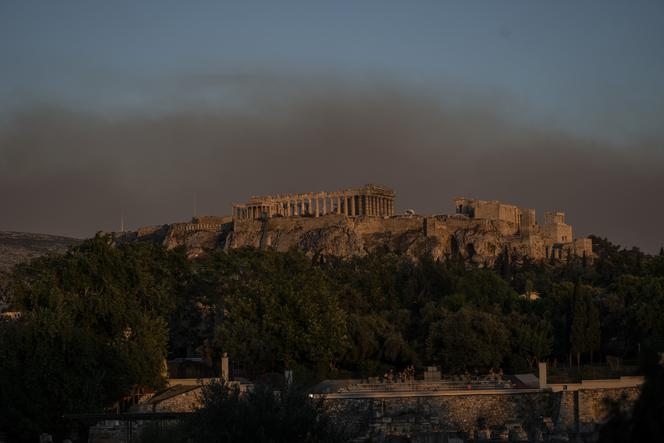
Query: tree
[(593, 333), (468, 339), (92, 328), (644, 421), (533, 339), (585, 329), (263, 414), (579, 323), (485, 289), (278, 310)]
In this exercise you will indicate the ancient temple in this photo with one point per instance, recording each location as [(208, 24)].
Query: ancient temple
[(369, 200)]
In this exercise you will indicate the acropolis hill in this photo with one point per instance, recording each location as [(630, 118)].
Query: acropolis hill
[(361, 220)]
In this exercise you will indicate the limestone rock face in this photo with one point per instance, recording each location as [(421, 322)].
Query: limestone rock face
[(196, 243), (476, 240), (479, 241)]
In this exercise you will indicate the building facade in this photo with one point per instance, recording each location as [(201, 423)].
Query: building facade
[(495, 210), (369, 200)]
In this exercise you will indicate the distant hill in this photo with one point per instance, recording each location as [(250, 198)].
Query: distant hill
[(16, 247)]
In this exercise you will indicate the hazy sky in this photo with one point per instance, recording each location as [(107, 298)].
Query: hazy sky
[(135, 106)]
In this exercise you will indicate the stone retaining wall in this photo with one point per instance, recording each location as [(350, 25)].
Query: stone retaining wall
[(535, 414)]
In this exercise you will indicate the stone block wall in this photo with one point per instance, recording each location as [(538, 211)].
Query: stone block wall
[(472, 415), (185, 402), (408, 416)]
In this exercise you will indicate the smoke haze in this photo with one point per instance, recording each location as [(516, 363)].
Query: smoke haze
[(72, 172)]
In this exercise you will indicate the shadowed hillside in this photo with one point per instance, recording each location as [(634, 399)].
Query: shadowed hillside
[(16, 247)]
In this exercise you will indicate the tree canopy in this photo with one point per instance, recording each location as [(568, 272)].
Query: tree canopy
[(98, 321)]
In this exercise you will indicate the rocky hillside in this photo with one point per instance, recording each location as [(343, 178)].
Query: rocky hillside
[(16, 247), (479, 241)]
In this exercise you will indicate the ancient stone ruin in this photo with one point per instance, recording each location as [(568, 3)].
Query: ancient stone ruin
[(358, 221), (556, 234), (368, 200)]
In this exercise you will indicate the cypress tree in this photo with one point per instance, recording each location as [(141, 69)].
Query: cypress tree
[(593, 333), (578, 329)]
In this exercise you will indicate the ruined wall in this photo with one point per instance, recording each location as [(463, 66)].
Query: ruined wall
[(583, 246), (185, 402), (490, 210), (557, 233), (584, 409), (465, 414), (535, 413)]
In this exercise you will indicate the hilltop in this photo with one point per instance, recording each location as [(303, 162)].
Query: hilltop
[(16, 247), (359, 221)]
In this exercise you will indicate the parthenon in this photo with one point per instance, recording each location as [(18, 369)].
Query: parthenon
[(369, 200)]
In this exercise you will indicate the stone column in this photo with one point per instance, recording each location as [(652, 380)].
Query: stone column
[(301, 197), (345, 204), (352, 205), (338, 203), (317, 210), (324, 203), (310, 208)]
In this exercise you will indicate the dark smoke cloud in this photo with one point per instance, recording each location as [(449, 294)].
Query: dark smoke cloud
[(72, 172)]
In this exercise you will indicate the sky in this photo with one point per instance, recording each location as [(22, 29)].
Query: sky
[(135, 107)]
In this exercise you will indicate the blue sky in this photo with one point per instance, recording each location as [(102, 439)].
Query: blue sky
[(595, 67)]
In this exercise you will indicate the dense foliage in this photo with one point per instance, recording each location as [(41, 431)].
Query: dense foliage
[(265, 414), (93, 327), (98, 321)]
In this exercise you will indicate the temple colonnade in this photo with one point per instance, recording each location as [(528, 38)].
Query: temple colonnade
[(314, 204)]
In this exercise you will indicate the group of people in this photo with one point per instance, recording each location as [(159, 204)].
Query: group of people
[(476, 376), (408, 374)]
